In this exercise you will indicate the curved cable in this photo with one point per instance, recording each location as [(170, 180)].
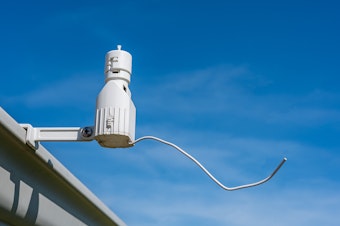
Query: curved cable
[(206, 171)]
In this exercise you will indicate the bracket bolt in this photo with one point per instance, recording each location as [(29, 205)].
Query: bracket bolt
[(86, 132)]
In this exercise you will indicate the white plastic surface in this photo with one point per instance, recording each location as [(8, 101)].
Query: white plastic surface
[(115, 111), (118, 65), (36, 134), (115, 118)]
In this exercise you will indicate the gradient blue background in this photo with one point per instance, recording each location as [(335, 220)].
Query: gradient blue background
[(239, 85)]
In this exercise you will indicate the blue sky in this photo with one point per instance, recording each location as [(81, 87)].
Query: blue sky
[(239, 85)]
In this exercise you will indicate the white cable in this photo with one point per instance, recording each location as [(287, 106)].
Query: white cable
[(206, 171)]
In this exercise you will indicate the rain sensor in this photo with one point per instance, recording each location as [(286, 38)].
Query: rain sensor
[(115, 118)]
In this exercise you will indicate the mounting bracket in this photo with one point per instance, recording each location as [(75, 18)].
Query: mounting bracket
[(36, 134)]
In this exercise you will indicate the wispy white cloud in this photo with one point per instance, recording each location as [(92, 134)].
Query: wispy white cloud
[(74, 91), (154, 184), (169, 189), (222, 89), (164, 203), (233, 90)]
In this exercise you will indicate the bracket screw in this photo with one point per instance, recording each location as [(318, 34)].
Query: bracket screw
[(86, 132)]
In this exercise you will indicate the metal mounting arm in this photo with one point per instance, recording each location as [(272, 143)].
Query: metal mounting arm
[(34, 135), (207, 172)]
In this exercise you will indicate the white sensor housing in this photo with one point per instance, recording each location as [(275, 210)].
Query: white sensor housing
[(116, 118), (115, 112)]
